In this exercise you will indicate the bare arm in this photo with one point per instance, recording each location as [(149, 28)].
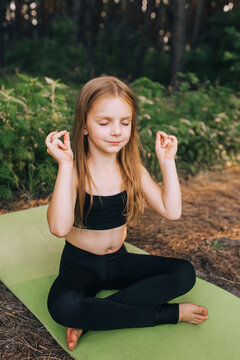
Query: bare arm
[(60, 214), (171, 189), (166, 201)]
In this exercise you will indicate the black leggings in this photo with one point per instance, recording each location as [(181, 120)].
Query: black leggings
[(146, 283)]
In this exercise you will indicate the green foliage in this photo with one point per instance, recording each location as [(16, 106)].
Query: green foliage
[(148, 88), (111, 47), (28, 113), (231, 56), (156, 65), (116, 50), (204, 118), (109, 50), (218, 244), (217, 56), (205, 122), (55, 55)]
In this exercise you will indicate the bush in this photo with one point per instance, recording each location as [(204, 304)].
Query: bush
[(204, 118), (205, 122), (28, 113)]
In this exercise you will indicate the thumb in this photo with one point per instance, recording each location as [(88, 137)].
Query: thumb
[(67, 139), (158, 140)]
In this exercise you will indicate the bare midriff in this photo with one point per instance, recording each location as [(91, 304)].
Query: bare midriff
[(99, 242)]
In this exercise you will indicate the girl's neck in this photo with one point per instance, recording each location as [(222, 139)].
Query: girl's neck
[(106, 177), (101, 164)]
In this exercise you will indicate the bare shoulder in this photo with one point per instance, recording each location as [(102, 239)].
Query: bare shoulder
[(152, 192)]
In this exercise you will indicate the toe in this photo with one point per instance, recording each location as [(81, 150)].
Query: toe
[(201, 317), (202, 310), (70, 339), (71, 346)]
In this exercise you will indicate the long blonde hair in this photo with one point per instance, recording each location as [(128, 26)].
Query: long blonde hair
[(128, 157)]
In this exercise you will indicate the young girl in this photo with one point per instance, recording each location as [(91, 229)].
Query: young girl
[(101, 188)]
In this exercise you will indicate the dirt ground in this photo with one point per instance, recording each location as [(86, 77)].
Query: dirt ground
[(206, 235)]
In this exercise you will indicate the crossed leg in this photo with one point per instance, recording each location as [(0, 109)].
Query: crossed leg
[(145, 283), (176, 278)]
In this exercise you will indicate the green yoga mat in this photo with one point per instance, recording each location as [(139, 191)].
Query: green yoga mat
[(29, 259)]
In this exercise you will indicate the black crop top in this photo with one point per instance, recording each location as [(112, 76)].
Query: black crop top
[(105, 213)]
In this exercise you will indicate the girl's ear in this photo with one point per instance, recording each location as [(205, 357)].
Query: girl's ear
[(85, 131)]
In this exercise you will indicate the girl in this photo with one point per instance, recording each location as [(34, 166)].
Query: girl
[(101, 188)]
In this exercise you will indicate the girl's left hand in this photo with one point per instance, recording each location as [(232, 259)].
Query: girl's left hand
[(165, 146)]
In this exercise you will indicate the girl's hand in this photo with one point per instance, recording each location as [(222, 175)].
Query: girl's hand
[(165, 146), (59, 151)]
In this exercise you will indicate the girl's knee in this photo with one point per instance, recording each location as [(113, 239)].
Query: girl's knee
[(63, 306), (186, 275)]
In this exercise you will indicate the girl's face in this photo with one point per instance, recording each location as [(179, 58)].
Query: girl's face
[(108, 124)]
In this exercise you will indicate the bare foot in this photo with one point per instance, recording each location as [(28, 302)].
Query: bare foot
[(192, 313), (72, 336)]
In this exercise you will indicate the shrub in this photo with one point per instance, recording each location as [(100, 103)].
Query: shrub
[(205, 122), (28, 113), (203, 117)]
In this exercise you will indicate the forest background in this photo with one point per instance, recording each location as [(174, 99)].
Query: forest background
[(180, 57)]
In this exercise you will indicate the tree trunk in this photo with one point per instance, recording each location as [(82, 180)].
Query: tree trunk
[(125, 47), (89, 6), (178, 39), (2, 29), (42, 18), (77, 8), (17, 25), (145, 37), (104, 52), (197, 23), (138, 6)]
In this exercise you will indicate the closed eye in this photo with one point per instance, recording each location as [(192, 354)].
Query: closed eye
[(103, 124)]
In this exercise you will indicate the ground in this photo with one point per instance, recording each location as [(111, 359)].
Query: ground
[(203, 235)]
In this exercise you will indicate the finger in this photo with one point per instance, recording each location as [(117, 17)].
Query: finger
[(158, 140), (55, 143), (59, 134), (55, 139), (162, 134), (166, 142), (173, 138), (158, 135), (67, 140), (60, 144), (49, 136)]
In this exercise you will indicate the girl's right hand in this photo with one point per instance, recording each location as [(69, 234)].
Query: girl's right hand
[(60, 151)]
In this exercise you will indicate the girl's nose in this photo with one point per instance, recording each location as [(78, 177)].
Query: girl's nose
[(116, 130)]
